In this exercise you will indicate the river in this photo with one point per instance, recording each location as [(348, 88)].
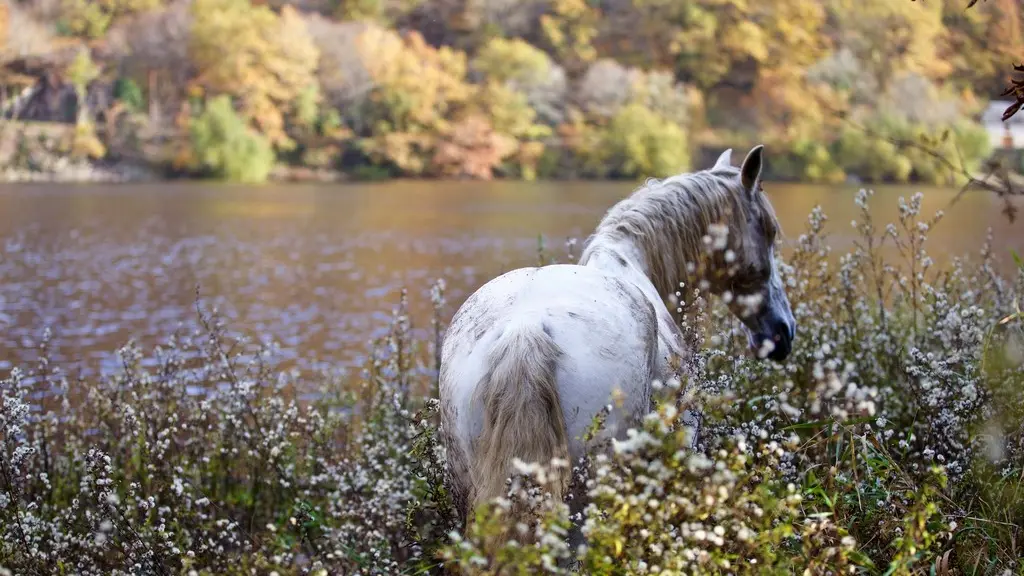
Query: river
[(319, 268)]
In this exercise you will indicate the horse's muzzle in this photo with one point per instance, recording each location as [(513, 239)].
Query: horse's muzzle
[(780, 333)]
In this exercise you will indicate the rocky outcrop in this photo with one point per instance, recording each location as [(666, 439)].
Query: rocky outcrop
[(42, 152)]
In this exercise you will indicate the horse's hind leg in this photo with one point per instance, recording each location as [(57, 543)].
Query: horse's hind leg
[(577, 503), (457, 479)]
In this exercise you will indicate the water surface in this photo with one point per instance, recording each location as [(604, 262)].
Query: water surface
[(319, 268)]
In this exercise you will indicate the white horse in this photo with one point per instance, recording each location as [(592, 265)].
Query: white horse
[(533, 355)]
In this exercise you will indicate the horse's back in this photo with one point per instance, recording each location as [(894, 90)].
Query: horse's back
[(603, 326)]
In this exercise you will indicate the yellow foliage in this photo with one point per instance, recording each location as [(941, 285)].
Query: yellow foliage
[(790, 110), (426, 117), (714, 40), (571, 29), (92, 18), (82, 70), (512, 60), (85, 144), (767, 45), (416, 83), (408, 151), (586, 143), (745, 38), (416, 90), (794, 30), (262, 60), (374, 10), (528, 157), (893, 37), (510, 113)]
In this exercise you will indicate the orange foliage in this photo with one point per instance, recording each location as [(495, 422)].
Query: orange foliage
[(427, 118), (473, 149)]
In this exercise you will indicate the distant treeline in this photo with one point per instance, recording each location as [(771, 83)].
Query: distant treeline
[(510, 88)]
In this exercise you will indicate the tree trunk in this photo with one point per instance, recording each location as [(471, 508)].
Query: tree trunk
[(154, 100)]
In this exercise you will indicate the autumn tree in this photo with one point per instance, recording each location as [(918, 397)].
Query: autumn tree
[(569, 31), (91, 18), (1010, 39), (416, 89), (748, 58), (345, 82), (890, 38), (904, 134), (153, 50), (262, 60), (977, 43), (526, 70), (422, 112), (81, 72), (378, 11), (787, 108), (630, 123), (705, 41)]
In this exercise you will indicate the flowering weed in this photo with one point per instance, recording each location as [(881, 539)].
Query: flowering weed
[(890, 442)]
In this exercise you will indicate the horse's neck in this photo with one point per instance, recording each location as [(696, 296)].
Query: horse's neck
[(623, 258)]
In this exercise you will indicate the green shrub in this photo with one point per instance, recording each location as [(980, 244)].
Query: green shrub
[(127, 91), (226, 147), (643, 144), (871, 157), (806, 161), (889, 148)]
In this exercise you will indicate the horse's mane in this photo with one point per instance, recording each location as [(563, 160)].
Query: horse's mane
[(668, 218)]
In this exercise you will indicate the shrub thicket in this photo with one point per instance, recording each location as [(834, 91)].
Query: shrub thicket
[(891, 442)]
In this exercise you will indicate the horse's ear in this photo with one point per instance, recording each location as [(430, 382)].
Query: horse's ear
[(725, 160), (750, 173)]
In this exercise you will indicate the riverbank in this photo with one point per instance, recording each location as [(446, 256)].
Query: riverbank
[(121, 152), (67, 171), (44, 152)]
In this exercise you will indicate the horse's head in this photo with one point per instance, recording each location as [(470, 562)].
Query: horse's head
[(747, 267), (666, 222)]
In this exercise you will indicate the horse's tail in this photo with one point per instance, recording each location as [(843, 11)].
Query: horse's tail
[(522, 414)]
